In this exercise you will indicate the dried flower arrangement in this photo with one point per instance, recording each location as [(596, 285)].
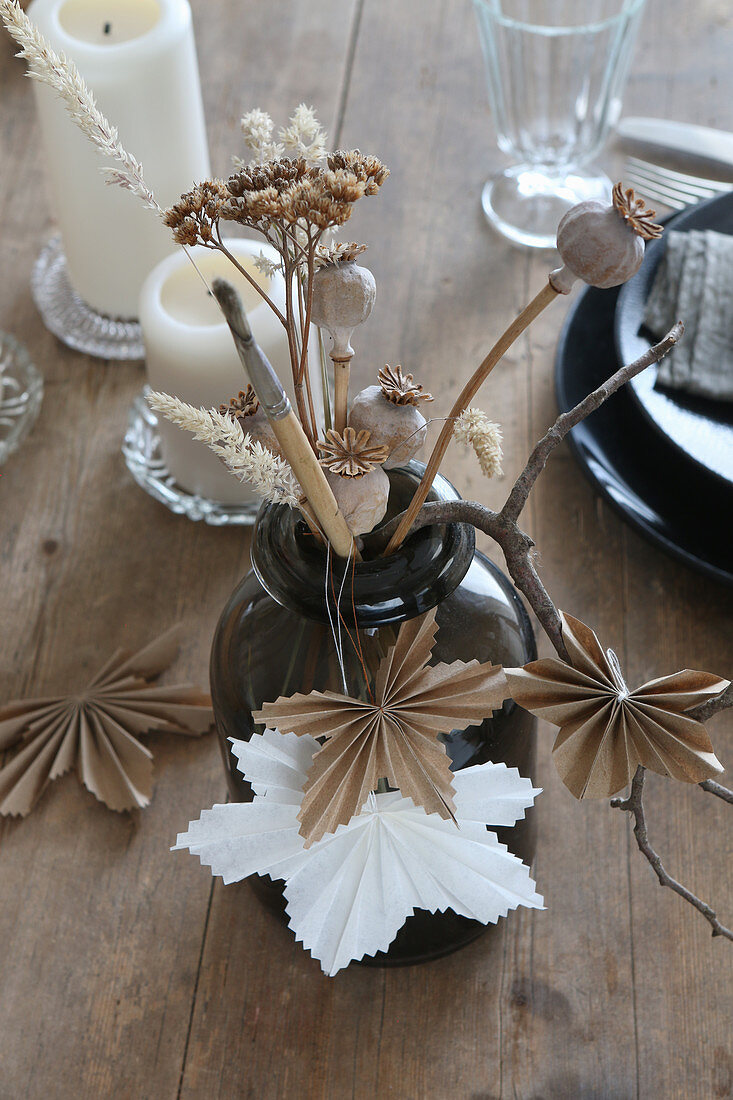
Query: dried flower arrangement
[(318, 799)]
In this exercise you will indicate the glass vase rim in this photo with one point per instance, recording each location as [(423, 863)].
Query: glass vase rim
[(629, 9), (424, 571)]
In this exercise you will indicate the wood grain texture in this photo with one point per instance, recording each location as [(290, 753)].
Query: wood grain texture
[(123, 971)]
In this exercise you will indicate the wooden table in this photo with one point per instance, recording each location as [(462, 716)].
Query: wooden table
[(125, 971)]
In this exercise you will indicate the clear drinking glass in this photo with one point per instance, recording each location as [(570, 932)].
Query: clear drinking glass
[(556, 70)]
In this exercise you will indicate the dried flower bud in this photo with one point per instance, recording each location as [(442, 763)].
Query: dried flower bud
[(603, 244), (343, 297)]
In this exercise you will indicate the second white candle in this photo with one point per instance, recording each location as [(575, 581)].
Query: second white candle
[(190, 353)]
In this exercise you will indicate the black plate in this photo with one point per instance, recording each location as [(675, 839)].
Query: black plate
[(652, 483), (702, 429)]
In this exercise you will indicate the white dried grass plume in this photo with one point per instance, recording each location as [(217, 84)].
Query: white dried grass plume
[(257, 130), (63, 77), (268, 474), (304, 137), (474, 428)]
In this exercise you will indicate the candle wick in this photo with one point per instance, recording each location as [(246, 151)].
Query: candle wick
[(107, 28)]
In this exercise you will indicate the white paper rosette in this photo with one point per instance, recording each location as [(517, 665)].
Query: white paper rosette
[(350, 893)]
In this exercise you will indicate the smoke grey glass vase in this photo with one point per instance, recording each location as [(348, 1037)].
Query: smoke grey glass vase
[(274, 638)]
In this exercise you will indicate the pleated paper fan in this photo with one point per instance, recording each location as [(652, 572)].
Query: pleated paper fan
[(392, 734), (606, 729), (97, 729), (350, 893)]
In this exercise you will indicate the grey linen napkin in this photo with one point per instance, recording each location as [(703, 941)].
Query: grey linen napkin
[(694, 283)]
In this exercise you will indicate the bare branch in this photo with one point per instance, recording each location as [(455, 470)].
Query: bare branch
[(502, 526), (717, 789), (634, 804), (536, 463), (703, 711), (515, 543), (517, 546)]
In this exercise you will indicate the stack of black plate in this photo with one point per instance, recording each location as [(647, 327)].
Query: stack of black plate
[(662, 458)]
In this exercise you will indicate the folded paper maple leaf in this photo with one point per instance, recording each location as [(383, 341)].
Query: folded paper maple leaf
[(392, 735), (97, 730), (607, 730)]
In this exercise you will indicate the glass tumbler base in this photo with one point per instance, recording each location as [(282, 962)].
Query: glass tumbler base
[(525, 203), (74, 322)]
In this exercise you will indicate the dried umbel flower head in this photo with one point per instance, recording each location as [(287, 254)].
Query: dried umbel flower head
[(288, 191), (194, 216), (400, 388), (603, 243), (352, 454), (389, 411), (343, 297), (475, 429), (291, 190), (635, 213), (368, 170)]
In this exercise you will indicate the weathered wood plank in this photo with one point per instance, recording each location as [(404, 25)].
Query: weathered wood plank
[(101, 927), (123, 973)]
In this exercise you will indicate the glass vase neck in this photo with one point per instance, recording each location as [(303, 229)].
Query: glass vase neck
[(297, 572)]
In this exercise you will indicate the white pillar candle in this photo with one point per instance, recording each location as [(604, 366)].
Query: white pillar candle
[(139, 59), (190, 353)]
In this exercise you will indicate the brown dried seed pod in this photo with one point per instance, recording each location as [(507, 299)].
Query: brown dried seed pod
[(603, 243), (252, 419), (401, 429), (343, 297), (352, 454), (362, 500)]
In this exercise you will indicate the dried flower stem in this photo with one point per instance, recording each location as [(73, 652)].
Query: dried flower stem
[(634, 805), (221, 247), (308, 387), (291, 273), (547, 295), (341, 377)]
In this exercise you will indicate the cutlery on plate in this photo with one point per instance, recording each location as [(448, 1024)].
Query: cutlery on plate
[(681, 138), (674, 189)]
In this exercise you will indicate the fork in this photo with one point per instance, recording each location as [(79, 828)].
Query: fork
[(674, 189)]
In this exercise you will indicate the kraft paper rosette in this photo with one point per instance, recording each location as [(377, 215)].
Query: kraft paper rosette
[(97, 731), (607, 730)]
